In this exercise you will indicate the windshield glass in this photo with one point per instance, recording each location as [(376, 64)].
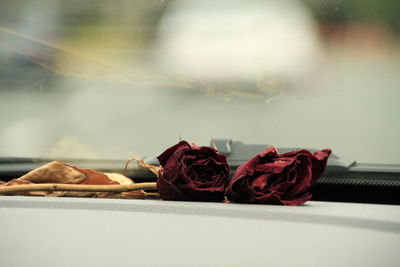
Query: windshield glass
[(117, 79)]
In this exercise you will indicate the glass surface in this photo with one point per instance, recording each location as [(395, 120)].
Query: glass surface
[(117, 79)]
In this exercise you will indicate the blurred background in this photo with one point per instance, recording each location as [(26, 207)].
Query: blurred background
[(117, 79)]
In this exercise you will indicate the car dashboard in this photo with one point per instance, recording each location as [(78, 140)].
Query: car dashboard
[(103, 232)]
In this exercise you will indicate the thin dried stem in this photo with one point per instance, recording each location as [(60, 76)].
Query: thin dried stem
[(152, 168), (213, 143), (77, 187)]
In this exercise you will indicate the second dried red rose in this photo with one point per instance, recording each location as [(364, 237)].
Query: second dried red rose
[(272, 178), (192, 173)]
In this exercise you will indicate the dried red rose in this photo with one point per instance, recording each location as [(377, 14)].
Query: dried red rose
[(190, 172), (271, 178)]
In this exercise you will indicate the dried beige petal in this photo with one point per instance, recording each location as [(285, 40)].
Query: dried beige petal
[(119, 178), (55, 172)]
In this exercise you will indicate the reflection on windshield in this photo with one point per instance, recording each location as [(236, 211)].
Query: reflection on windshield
[(127, 78)]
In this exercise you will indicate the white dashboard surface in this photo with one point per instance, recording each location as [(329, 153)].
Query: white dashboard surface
[(38, 231)]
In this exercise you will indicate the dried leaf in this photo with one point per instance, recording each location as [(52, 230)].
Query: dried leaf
[(55, 172), (61, 173)]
